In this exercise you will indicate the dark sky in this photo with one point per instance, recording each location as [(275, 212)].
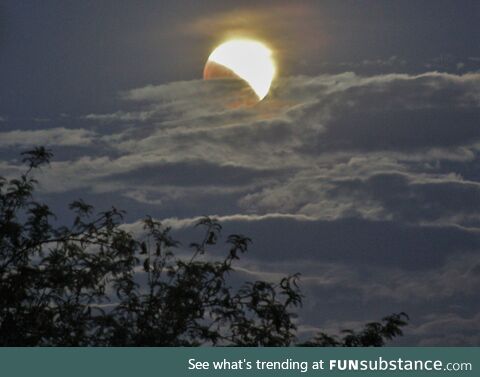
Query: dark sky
[(361, 169)]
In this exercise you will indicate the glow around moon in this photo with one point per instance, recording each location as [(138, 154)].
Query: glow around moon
[(247, 59)]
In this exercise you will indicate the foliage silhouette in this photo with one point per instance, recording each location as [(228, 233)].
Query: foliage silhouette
[(79, 285)]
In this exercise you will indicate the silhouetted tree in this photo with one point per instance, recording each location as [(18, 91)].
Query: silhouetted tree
[(373, 334), (79, 285)]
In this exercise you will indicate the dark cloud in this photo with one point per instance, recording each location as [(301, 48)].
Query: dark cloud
[(398, 113), (368, 128), (414, 201), (361, 242), (192, 173)]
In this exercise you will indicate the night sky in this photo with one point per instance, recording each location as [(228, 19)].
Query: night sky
[(360, 170)]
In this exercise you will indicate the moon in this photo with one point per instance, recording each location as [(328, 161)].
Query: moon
[(245, 59)]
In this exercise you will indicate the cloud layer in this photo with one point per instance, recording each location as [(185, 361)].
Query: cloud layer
[(369, 186)]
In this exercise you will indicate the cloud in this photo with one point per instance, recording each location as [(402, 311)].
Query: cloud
[(380, 147), (49, 137), (119, 116), (368, 185), (193, 173), (177, 223), (365, 244), (449, 62), (324, 105), (448, 329), (441, 330)]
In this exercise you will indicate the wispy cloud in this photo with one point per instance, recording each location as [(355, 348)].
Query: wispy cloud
[(53, 136), (325, 147)]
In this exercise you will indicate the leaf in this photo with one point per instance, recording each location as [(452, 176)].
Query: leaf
[(146, 264)]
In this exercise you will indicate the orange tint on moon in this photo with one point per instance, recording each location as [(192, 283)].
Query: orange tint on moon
[(214, 70), (241, 98)]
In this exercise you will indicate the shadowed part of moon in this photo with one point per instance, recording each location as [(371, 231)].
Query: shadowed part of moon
[(214, 70), (246, 96)]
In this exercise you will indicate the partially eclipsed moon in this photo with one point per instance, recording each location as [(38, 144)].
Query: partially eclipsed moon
[(246, 59)]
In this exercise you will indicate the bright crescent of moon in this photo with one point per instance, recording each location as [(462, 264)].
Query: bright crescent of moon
[(249, 60)]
